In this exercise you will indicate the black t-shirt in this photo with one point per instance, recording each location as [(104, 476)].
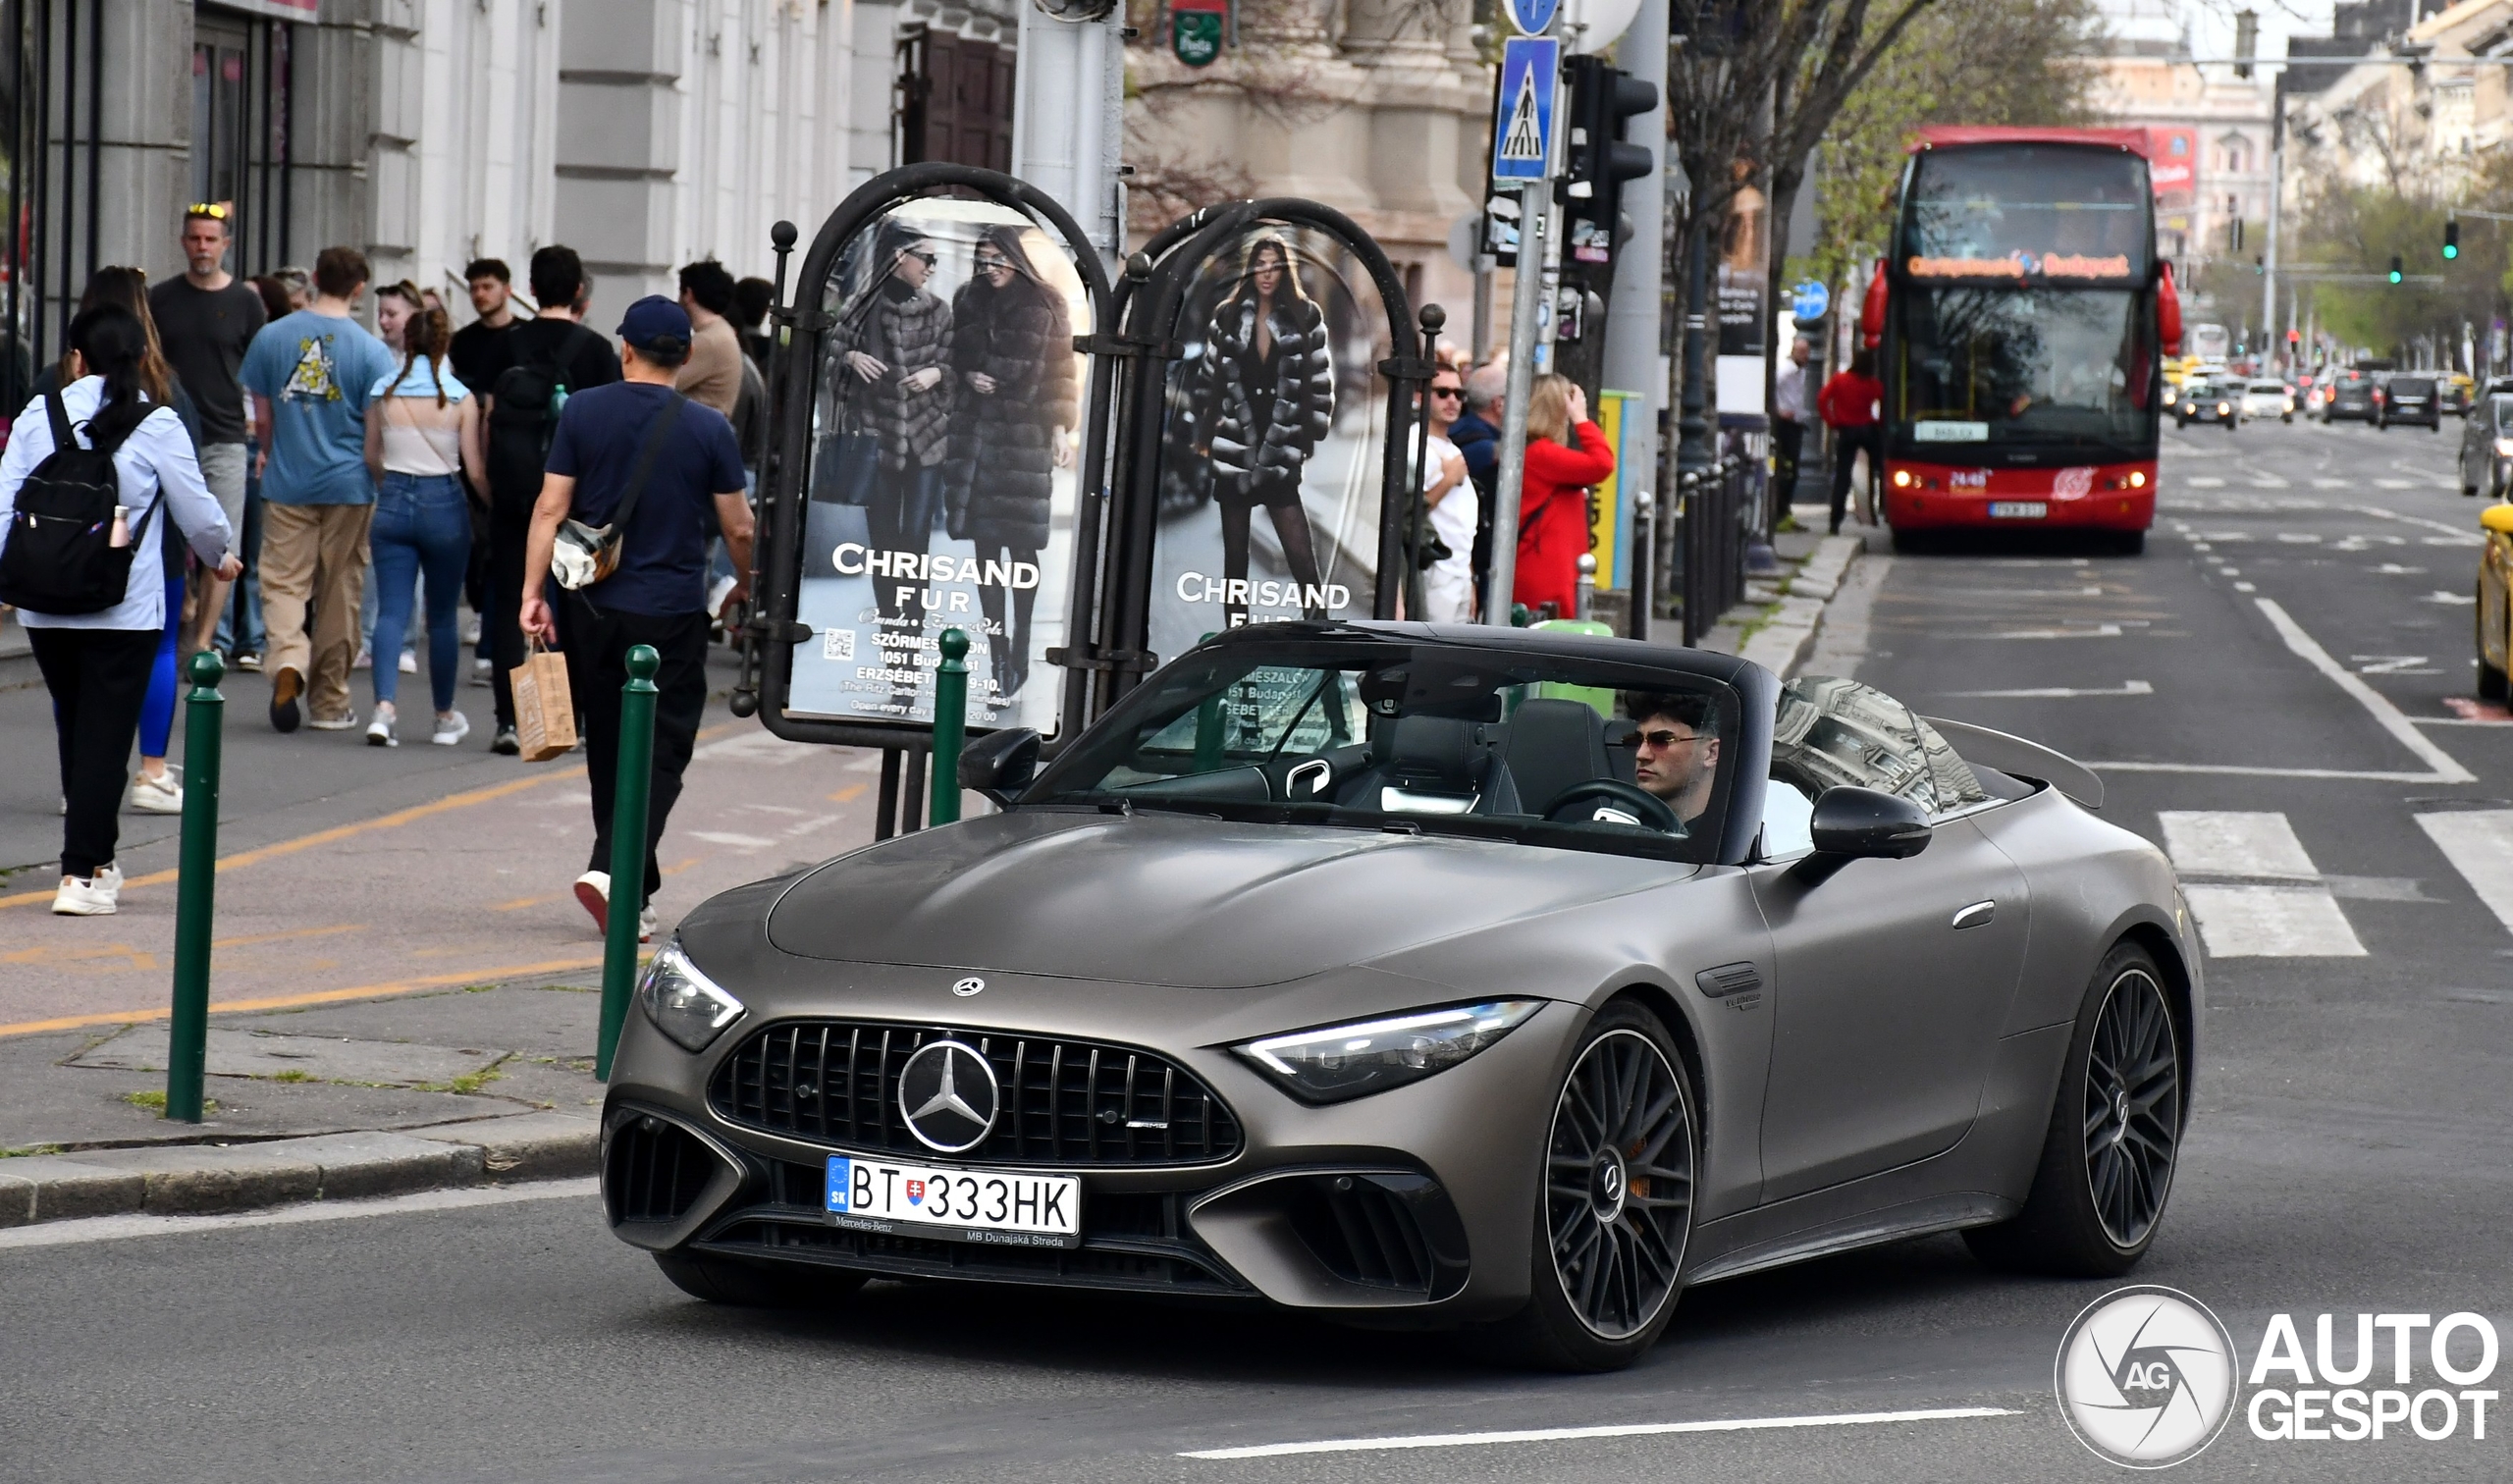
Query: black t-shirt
[(479, 353), (583, 357), (663, 555), (205, 332)]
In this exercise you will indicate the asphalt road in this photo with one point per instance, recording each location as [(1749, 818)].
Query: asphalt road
[(2348, 1152)]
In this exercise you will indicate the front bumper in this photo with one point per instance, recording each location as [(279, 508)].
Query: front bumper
[(1413, 1205)]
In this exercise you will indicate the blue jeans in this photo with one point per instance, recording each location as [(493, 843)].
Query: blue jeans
[(422, 526), (249, 587)]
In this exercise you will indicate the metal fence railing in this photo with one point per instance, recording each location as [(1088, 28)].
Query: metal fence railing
[(1713, 505)]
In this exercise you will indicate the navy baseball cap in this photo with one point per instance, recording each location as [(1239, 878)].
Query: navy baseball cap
[(655, 323)]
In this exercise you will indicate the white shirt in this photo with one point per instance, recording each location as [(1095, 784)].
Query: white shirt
[(1789, 393), (1453, 520), (156, 457)]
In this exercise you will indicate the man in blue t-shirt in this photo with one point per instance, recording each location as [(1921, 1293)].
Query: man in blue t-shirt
[(638, 439), (310, 374)]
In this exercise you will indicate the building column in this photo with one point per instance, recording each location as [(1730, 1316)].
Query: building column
[(619, 69)]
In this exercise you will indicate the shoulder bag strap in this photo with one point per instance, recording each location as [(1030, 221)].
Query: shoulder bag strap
[(646, 454)]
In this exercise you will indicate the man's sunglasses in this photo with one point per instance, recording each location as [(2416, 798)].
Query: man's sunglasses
[(1450, 392), (1662, 740)]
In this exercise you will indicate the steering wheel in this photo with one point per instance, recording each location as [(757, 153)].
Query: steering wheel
[(1652, 810)]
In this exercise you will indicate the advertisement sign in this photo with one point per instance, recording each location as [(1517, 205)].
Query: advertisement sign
[(941, 481), (1273, 438), (1195, 29), (1609, 512)]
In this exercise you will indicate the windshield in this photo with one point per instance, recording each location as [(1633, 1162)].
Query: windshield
[(1536, 749), (2025, 366), (2017, 210), (2502, 407)]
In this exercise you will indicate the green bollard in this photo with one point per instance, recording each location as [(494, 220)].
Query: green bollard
[(635, 784), (196, 891), (950, 726)]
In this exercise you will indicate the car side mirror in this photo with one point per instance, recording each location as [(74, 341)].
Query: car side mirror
[(1851, 822), (1000, 764)]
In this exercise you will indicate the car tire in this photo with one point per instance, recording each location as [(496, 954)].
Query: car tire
[(745, 1284), (2114, 1139), (1602, 1291)]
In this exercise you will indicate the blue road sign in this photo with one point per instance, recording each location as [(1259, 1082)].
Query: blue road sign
[(1523, 108), (1810, 300), (1532, 17)]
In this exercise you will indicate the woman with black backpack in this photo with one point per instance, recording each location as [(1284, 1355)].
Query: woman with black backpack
[(89, 475)]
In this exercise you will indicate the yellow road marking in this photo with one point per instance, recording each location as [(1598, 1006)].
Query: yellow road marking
[(298, 1001), (287, 936), (522, 902), (849, 794)]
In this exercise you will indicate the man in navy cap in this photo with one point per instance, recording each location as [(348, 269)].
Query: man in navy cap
[(639, 456)]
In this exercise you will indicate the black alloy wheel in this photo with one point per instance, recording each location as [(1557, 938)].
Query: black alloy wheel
[(2115, 1135), (2132, 1107), (1615, 1215)]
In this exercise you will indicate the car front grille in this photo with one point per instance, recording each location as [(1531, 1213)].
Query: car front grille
[(656, 1170), (1064, 1102)]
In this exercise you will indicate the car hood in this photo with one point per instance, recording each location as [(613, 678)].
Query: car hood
[(1167, 899)]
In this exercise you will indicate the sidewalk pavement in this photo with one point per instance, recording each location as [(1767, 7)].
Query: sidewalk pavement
[(403, 988), (1777, 622)]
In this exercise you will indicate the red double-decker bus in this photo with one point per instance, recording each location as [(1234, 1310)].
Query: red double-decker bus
[(2020, 323)]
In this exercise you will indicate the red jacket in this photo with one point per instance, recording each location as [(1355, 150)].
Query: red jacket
[(1849, 400), (1553, 516)]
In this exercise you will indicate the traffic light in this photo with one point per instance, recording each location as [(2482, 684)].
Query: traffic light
[(2451, 240), (1602, 97), (2397, 275)]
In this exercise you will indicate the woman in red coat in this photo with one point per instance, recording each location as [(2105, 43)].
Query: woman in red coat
[(1566, 454)]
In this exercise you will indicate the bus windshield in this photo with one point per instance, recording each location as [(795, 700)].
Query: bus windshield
[(2024, 366), (2014, 210)]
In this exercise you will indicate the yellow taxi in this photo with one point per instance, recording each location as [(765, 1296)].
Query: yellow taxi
[(2457, 391), (2494, 574)]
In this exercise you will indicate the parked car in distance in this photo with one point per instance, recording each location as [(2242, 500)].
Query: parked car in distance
[(2353, 395), (2268, 398), (2457, 393), (2487, 447), (2409, 399), (2211, 400)]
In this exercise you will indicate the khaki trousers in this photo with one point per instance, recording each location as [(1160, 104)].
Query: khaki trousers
[(314, 554)]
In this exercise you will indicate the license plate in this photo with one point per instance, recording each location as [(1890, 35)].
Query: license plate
[(997, 1206), (2018, 509)]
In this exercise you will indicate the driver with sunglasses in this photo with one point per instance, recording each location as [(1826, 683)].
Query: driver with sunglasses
[(1677, 750)]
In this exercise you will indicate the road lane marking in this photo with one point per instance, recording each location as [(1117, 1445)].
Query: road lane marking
[(2250, 771), (1574, 1434), (2205, 482), (2099, 631), (119, 1228), (2393, 484), (386, 989), (727, 837), (2448, 768), (2058, 692), (2461, 535), (2480, 845), (2235, 843)]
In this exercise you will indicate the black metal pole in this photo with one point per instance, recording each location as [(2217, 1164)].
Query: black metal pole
[(96, 133), (885, 811)]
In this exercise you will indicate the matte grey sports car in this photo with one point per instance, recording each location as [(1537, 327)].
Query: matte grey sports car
[(1503, 980)]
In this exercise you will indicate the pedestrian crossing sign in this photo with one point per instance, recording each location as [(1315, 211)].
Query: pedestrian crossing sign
[(1523, 108)]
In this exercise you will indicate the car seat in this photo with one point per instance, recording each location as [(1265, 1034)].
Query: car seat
[(1553, 744), (1432, 764)]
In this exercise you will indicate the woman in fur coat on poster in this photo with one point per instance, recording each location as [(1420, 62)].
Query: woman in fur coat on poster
[(1264, 395), (891, 346), (1019, 398)]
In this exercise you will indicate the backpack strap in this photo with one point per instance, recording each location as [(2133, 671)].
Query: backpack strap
[(63, 437), (646, 454)]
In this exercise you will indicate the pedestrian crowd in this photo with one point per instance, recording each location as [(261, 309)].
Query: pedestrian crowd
[(245, 466)]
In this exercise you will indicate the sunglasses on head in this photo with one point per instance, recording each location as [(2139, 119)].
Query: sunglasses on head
[(215, 211)]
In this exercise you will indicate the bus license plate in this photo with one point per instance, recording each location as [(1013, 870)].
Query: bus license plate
[(2018, 509), (997, 1206)]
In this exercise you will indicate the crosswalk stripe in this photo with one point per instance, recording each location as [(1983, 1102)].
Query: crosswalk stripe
[(2479, 843), (2296, 918), (2272, 922)]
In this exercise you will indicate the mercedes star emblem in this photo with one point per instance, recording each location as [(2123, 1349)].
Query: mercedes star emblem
[(968, 986), (948, 1096)]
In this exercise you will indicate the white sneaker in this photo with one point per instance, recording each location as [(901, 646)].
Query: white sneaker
[(472, 630), (109, 877), (333, 723), (157, 796), (379, 732), (87, 896), (451, 729), (365, 658), (646, 923), (410, 662), (483, 672), (592, 891)]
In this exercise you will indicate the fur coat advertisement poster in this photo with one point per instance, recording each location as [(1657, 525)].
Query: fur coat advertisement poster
[(1270, 454), (943, 468)]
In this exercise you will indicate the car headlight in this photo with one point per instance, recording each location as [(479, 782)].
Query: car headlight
[(1337, 1062), (2504, 448), (683, 1003), (2221, 409)]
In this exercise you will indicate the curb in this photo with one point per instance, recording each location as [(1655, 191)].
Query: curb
[(194, 1180), (1783, 641)]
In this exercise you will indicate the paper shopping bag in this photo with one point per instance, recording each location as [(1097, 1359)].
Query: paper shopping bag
[(545, 709)]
